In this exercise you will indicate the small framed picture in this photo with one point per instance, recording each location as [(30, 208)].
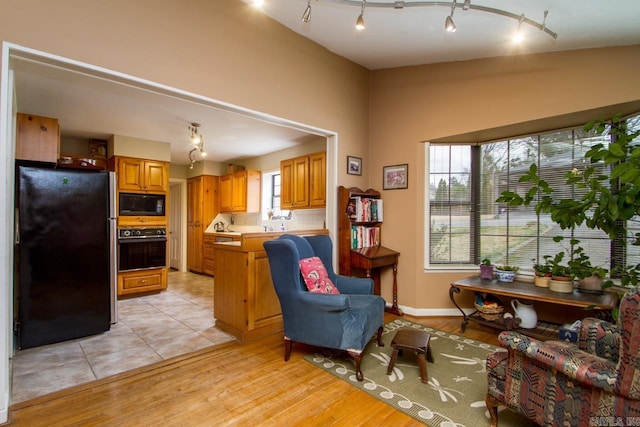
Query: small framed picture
[(395, 177), (354, 165)]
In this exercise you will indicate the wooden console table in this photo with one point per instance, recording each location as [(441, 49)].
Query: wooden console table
[(371, 260), (527, 292)]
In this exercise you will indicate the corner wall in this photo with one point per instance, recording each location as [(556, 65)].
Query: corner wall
[(414, 104)]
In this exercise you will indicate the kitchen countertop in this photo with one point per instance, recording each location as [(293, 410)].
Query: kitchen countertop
[(252, 241)]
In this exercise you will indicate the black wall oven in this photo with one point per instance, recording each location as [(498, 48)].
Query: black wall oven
[(141, 248)]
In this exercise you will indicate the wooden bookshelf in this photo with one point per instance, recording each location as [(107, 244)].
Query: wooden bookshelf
[(360, 218)]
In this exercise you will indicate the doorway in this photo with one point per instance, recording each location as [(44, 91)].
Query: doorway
[(175, 227)]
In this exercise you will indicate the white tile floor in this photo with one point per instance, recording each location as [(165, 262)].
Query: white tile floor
[(149, 329)]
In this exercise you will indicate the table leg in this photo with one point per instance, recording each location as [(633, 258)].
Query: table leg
[(394, 306), (423, 366), (465, 318)]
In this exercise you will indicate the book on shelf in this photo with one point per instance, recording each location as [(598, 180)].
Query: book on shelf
[(364, 237), (365, 209)]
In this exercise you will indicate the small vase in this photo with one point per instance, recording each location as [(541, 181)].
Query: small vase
[(486, 272), (505, 276)]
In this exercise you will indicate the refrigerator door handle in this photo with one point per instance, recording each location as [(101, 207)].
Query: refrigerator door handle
[(17, 231)]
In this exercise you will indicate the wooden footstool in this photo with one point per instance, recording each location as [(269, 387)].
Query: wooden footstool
[(415, 341)]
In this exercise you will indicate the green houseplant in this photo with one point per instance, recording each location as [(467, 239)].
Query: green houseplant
[(542, 272), (611, 196)]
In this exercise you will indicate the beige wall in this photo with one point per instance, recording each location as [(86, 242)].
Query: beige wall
[(244, 58), (222, 49), (423, 103)]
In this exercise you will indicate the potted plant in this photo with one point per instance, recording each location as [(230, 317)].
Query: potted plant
[(610, 184), (506, 273), (542, 272), (590, 278), (486, 269)]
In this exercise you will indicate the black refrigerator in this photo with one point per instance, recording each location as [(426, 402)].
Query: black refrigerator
[(64, 262)]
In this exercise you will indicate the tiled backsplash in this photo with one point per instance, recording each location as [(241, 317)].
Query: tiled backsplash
[(304, 219)]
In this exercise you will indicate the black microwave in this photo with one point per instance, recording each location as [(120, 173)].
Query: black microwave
[(136, 204)]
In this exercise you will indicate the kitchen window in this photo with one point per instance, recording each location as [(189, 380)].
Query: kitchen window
[(464, 224)]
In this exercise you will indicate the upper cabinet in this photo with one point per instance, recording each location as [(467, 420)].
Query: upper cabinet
[(303, 182), (38, 138), (142, 175), (240, 192)]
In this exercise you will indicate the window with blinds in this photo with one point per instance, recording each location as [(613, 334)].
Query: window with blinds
[(466, 225)]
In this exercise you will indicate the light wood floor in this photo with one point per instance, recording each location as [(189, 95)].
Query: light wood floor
[(231, 384)]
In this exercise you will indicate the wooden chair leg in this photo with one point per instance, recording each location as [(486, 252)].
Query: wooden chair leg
[(380, 343), (288, 344), (357, 357), (492, 407), (394, 357)]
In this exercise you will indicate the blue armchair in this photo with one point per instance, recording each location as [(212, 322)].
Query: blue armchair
[(346, 321)]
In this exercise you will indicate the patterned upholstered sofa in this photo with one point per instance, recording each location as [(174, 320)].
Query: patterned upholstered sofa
[(595, 381)]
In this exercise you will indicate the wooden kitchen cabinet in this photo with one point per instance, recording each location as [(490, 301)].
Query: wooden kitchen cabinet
[(240, 192), (136, 282), (318, 180), (142, 175), (208, 255), (245, 303), (202, 207), (37, 138), (303, 182)]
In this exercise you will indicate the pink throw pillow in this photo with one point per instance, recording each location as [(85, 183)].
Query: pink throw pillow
[(316, 277)]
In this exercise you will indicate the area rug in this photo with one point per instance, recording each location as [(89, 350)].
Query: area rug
[(457, 380)]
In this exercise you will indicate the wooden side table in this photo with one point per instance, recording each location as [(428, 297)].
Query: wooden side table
[(415, 341), (371, 260)]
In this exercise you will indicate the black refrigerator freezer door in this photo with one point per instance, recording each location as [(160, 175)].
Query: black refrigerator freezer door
[(63, 255)]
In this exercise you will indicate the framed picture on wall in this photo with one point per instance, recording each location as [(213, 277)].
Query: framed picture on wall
[(395, 177), (354, 165)]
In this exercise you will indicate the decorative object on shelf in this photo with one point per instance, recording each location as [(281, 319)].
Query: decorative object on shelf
[(542, 272), (506, 273), (395, 177), (198, 140), (448, 25), (489, 306), (562, 286), (354, 165), (526, 314), (486, 269)]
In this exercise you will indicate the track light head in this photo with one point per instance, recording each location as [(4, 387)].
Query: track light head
[(360, 20), (449, 25), (306, 16)]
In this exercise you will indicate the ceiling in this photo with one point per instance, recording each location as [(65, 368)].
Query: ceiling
[(416, 35), (95, 105)]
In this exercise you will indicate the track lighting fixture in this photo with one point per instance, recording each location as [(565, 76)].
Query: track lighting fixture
[(306, 16), (198, 140), (449, 24), (360, 20), (518, 36)]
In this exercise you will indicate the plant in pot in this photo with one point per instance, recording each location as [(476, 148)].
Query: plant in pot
[(542, 272), (608, 180), (506, 273), (590, 278), (486, 269)]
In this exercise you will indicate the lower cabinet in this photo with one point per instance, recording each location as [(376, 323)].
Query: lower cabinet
[(245, 303), (136, 282), (208, 256)]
